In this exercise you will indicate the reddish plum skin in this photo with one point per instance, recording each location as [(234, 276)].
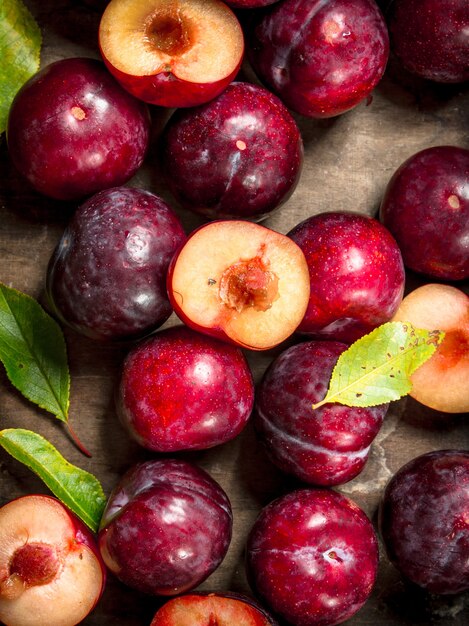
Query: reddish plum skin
[(167, 90), (356, 271), (426, 208), (424, 522), (181, 390), (88, 133), (221, 608), (327, 446), (238, 156), (430, 38), (107, 276), (321, 58), (166, 527), (312, 557)]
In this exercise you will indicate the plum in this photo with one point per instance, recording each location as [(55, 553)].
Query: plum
[(238, 156), (88, 133), (327, 446), (312, 557), (441, 382), (356, 273), (430, 38), (107, 275), (426, 208), (51, 570), (240, 282), (181, 390), (166, 527), (212, 609), (169, 53), (424, 523), (321, 58)]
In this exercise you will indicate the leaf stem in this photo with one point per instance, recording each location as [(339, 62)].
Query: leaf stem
[(318, 404), (76, 440)]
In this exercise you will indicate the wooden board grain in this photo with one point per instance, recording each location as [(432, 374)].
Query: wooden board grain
[(348, 161)]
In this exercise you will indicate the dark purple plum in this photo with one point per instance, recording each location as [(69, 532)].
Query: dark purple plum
[(73, 131), (430, 38), (107, 276), (166, 527), (312, 557), (181, 390), (325, 446), (426, 208), (424, 521), (321, 58), (238, 156), (356, 274)]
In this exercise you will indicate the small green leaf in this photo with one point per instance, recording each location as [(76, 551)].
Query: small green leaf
[(20, 47), (33, 351), (376, 369), (79, 490)]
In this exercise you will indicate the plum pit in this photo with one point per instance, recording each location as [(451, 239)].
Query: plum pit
[(32, 564)]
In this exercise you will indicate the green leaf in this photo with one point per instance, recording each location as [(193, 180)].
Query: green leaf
[(79, 490), (376, 369), (20, 47), (33, 351)]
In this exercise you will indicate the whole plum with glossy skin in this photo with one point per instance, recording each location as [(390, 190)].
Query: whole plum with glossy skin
[(166, 527), (321, 58), (72, 130), (356, 274), (424, 521), (107, 276), (426, 208), (238, 156), (312, 557), (430, 38), (181, 390), (325, 446)]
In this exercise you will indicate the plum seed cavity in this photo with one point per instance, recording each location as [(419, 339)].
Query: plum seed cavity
[(168, 31), (248, 283)]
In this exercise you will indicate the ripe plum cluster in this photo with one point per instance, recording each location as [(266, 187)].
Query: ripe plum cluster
[(232, 153)]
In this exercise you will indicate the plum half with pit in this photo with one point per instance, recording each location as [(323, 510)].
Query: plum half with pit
[(441, 382), (106, 278), (51, 570), (321, 58), (426, 208), (430, 38), (212, 609), (325, 446), (177, 53), (73, 131), (240, 282), (181, 390), (166, 527), (424, 521), (312, 557), (238, 156), (356, 273)]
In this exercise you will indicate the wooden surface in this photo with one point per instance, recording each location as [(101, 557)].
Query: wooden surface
[(348, 161)]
